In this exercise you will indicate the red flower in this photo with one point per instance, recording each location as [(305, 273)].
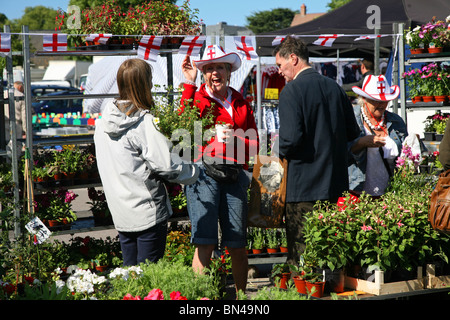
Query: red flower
[(176, 295)]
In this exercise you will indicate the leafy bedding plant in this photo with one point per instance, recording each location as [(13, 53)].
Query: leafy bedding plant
[(392, 232)]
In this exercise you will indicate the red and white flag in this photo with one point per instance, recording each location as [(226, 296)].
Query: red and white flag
[(245, 47), (55, 42), (369, 37), (278, 40), (149, 47), (326, 40), (191, 45), (5, 44), (99, 37)]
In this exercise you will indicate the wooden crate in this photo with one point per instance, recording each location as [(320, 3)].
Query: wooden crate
[(378, 287), (434, 282)]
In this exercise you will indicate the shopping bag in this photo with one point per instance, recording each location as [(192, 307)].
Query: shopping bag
[(268, 192)]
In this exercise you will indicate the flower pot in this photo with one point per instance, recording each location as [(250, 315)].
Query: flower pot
[(257, 251), (101, 268), (283, 249), (272, 250), (417, 51), (429, 136), (428, 98), (417, 99), (442, 98), (284, 278), (318, 286), (300, 284), (334, 280), (439, 136), (434, 50), (53, 223)]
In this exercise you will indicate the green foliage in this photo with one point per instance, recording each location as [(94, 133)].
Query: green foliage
[(392, 232), (169, 277), (270, 20)]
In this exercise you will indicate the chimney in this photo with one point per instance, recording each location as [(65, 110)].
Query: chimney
[(303, 10)]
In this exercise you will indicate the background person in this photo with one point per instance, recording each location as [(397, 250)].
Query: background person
[(316, 123), (133, 161), (210, 200), (373, 153)]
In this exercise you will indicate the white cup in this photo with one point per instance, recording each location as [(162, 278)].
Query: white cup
[(222, 132)]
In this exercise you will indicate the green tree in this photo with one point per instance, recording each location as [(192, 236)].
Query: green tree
[(37, 18), (334, 4), (270, 20)]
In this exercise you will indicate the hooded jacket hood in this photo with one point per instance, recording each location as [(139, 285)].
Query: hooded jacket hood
[(117, 122)]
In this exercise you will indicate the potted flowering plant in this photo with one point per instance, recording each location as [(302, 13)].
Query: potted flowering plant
[(148, 18), (414, 41), (431, 34), (99, 207), (272, 240), (56, 207), (413, 79)]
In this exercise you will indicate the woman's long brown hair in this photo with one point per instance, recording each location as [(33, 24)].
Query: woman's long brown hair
[(134, 80)]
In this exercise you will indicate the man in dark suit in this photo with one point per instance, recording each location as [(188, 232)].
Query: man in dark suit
[(316, 122)]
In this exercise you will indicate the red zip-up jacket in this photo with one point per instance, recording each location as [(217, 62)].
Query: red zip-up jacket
[(243, 119)]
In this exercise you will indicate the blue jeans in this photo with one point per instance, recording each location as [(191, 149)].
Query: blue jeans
[(210, 202), (144, 245)]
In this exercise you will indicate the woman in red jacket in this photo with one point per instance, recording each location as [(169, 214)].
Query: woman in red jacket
[(220, 193)]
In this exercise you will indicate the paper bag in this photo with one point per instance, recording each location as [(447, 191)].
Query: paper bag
[(267, 192)]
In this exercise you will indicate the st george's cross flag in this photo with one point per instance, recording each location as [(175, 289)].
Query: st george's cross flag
[(99, 37), (5, 44), (278, 40), (245, 48), (55, 42), (149, 47), (326, 40), (191, 45), (369, 37)]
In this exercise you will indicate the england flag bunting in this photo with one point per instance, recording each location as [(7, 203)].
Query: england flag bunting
[(149, 47), (369, 37), (55, 42), (5, 44), (99, 37), (278, 40), (191, 45), (244, 48), (326, 40)]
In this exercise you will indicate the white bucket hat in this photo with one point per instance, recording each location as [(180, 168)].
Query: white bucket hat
[(377, 88), (216, 54)]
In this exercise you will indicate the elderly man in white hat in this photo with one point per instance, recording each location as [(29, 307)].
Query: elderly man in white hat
[(373, 153), (220, 193)]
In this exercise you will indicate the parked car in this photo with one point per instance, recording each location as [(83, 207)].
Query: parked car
[(43, 89), (83, 79), (60, 106)]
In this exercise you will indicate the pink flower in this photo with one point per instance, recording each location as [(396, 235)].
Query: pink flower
[(155, 294), (400, 224), (320, 216), (176, 295), (366, 228)]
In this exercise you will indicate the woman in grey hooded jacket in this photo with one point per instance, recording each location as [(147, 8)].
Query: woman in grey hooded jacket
[(133, 160)]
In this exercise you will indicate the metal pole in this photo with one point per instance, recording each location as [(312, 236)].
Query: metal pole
[(394, 65), (401, 64), (27, 90), (258, 93), (13, 134), (376, 58)]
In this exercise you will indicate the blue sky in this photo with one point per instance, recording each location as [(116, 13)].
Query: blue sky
[(211, 11)]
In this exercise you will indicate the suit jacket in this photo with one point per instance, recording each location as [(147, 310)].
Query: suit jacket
[(316, 123)]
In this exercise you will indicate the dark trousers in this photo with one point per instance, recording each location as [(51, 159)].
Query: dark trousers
[(144, 245), (295, 219)]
